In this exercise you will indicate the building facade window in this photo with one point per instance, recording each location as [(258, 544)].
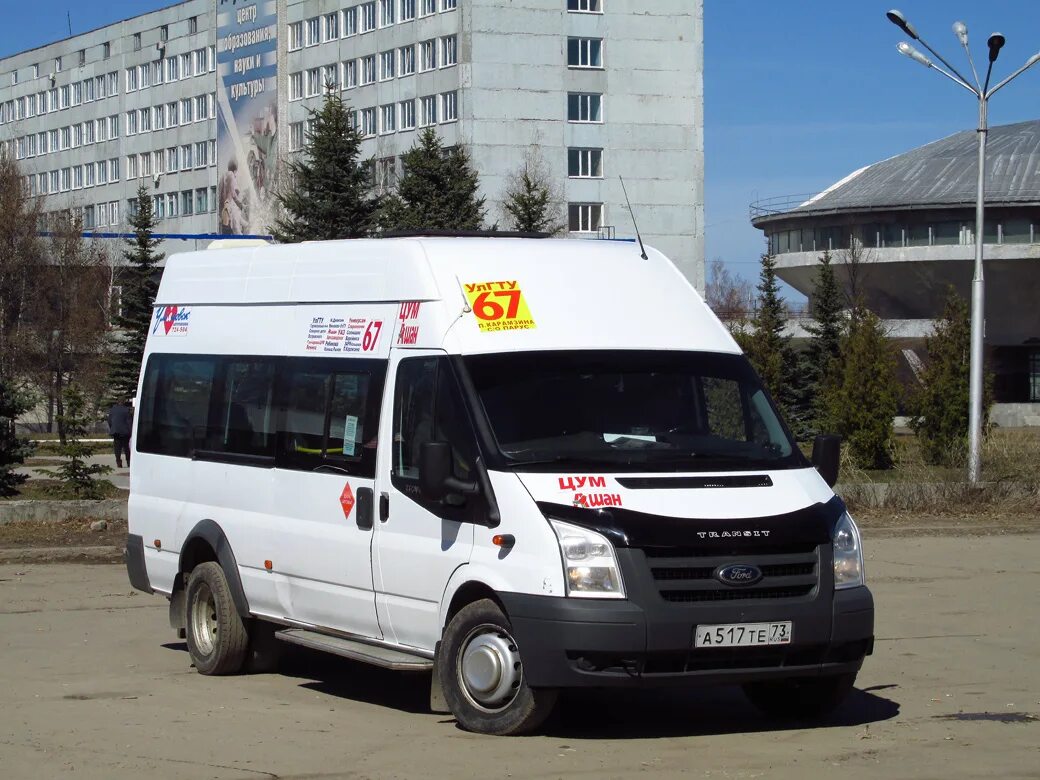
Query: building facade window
[(406, 114), (428, 55), (386, 12), (387, 60), (585, 6), (584, 217), (295, 86), (427, 7), (349, 74), (407, 10), (584, 107), (388, 119), (407, 60), (449, 5), (428, 111), (449, 106), (330, 23), (295, 36), (295, 136), (368, 121), (349, 22), (313, 82), (312, 32), (368, 69), (368, 16), (193, 25), (449, 51), (585, 52)]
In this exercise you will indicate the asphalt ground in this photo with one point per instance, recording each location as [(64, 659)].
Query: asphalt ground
[(93, 684)]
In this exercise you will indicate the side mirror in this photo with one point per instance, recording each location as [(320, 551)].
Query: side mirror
[(434, 469), (826, 457), (435, 473)]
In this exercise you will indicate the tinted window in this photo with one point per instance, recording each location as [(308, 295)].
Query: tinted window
[(331, 415), (428, 406), (244, 416), (630, 409), (175, 404)]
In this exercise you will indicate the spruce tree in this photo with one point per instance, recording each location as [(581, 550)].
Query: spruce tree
[(78, 476), (13, 450), (140, 285), (824, 349), (328, 195), (939, 405), (531, 203), (865, 396), (769, 349), (438, 189)]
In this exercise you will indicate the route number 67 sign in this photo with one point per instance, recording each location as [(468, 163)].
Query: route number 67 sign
[(499, 306)]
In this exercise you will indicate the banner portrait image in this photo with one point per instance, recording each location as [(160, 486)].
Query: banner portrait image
[(247, 115)]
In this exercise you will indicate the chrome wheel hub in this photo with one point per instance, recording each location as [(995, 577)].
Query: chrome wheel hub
[(489, 668), (204, 620)]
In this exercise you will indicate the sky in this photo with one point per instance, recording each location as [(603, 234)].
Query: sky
[(798, 93)]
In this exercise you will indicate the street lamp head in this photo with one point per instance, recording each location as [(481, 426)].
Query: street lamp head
[(996, 43), (907, 50), (897, 18), (1033, 60), (960, 29)]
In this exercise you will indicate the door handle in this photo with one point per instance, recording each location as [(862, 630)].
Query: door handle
[(363, 509), (384, 507)]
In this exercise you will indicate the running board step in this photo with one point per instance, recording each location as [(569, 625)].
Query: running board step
[(387, 657)]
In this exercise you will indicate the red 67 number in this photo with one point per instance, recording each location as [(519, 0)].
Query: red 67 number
[(488, 309), (371, 337)]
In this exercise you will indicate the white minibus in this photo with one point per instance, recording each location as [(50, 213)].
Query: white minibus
[(524, 465)]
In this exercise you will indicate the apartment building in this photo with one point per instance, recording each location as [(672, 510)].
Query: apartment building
[(203, 102)]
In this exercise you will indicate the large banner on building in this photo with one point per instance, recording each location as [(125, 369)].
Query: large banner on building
[(247, 115)]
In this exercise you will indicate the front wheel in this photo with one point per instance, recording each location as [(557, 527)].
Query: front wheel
[(482, 674), (809, 697)]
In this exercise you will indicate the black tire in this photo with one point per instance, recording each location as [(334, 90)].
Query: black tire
[(810, 697), (484, 630), (216, 635)]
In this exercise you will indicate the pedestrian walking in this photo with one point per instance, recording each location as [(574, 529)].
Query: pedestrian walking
[(120, 423)]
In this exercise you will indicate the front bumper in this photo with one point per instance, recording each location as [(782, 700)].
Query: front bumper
[(645, 640)]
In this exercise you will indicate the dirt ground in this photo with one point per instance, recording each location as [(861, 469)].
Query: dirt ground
[(95, 685)]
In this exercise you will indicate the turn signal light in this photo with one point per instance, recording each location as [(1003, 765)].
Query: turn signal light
[(157, 543), (268, 565), (503, 540)]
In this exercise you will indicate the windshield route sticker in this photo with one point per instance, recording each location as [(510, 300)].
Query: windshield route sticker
[(407, 315), (499, 306)]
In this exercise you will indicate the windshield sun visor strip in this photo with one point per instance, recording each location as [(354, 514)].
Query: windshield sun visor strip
[(685, 483)]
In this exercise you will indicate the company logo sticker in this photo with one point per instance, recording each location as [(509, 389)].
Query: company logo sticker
[(499, 306), (171, 321), (408, 330)]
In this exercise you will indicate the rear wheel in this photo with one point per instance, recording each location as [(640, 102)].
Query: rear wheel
[(482, 674), (809, 697), (216, 635)]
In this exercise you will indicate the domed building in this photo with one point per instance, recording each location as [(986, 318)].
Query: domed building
[(902, 230)]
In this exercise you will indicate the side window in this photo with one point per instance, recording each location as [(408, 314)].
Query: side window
[(428, 406), (331, 415), (244, 418), (175, 404)]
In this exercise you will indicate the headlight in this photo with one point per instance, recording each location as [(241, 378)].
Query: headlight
[(589, 565), (848, 555)]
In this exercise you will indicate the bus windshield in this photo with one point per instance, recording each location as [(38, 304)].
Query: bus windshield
[(625, 410)]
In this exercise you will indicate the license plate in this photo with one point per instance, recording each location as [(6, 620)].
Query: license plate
[(743, 634)]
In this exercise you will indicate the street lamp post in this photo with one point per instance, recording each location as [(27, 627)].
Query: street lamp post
[(983, 93)]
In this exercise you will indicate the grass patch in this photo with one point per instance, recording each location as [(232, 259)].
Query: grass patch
[(55, 490), (1010, 479), (53, 448)]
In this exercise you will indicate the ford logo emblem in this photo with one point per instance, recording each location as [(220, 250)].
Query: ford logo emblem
[(738, 574)]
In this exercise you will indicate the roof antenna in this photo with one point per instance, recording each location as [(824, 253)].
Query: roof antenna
[(642, 249)]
